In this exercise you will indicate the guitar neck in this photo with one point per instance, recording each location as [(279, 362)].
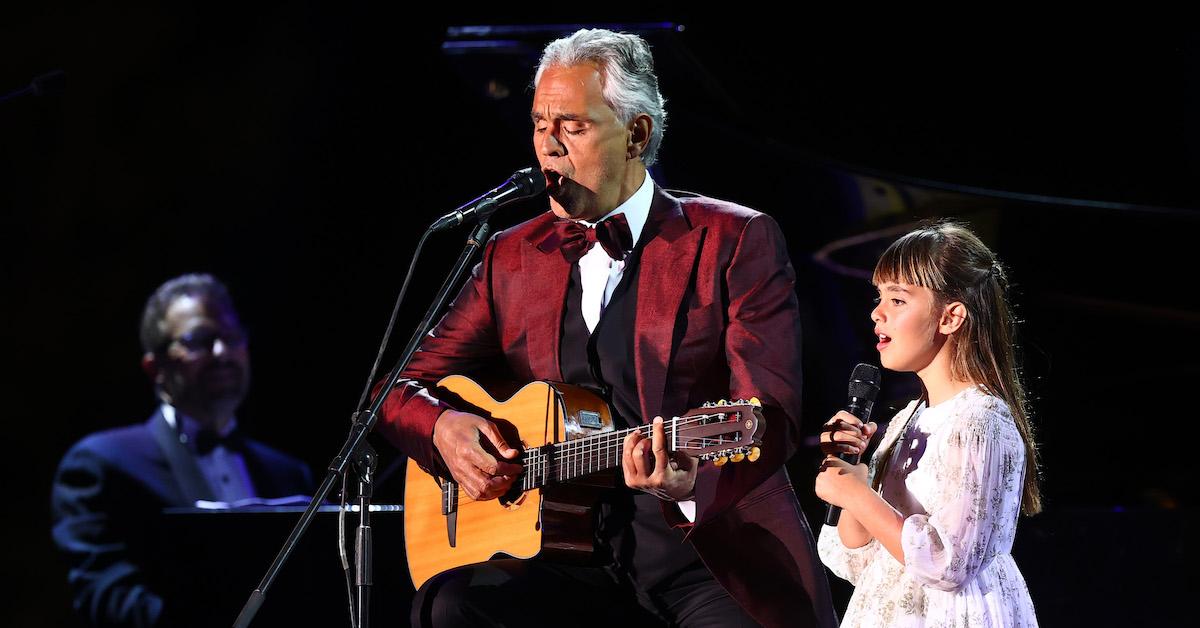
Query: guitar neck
[(560, 462)]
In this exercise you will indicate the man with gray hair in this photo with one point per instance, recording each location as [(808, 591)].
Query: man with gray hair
[(687, 299)]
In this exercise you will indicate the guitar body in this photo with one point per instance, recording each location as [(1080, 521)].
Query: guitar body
[(444, 528)]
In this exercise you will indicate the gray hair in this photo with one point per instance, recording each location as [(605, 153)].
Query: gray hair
[(629, 83)]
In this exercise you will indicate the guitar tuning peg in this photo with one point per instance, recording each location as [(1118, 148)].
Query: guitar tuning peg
[(755, 452), (737, 457), (720, 461), (755, 402), (722, 403), (707, 404)]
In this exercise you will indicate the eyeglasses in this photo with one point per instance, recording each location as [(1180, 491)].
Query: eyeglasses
[(203, 340)]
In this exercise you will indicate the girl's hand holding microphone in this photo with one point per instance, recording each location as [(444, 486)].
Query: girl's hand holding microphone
[(846, 434), (843, 434)]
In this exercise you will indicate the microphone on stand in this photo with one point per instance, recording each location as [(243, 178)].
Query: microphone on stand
[(525, 183)]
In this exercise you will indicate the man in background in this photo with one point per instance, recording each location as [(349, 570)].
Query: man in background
[(112, 485)]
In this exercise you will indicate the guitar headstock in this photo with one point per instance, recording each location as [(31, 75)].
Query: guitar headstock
[(721, 431)]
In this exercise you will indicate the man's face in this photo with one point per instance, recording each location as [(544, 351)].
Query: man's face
[(205, 369), (581, 145)]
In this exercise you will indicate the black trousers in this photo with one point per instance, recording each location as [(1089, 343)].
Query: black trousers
[(514, 593)]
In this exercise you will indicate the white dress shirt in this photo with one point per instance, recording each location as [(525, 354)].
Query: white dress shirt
[(224, 470), (600, 274)]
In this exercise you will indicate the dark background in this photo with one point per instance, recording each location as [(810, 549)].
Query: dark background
[(296, 152)]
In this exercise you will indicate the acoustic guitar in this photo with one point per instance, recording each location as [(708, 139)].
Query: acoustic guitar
[(566, 434)]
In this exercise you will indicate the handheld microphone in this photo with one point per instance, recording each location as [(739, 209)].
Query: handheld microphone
[(864, 387), (525, 183)]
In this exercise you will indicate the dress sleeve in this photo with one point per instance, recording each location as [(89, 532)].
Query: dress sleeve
[(850, 563), (845, 563), (975, 468)]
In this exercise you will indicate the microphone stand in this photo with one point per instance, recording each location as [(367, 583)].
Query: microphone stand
[(365, 463), (364, 422)]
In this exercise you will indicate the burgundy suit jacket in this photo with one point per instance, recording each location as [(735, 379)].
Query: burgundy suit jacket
[(716, 317)]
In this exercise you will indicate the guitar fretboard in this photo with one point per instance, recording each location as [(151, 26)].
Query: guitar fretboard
[(576, 458)]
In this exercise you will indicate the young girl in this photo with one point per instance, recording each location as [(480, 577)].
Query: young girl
[(926, 540)]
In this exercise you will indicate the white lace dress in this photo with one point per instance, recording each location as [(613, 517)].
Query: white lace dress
[(956, 476)]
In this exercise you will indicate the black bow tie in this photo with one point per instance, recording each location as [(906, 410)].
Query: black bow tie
[(576, 239), (208, 440)]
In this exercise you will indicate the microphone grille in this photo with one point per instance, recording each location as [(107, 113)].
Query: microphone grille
[(864, 382), (531, 181)]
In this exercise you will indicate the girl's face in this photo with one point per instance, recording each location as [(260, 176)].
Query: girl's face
[(907, 326)]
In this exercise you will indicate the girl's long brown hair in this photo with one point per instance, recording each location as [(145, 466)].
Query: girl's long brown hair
[(955, 265)]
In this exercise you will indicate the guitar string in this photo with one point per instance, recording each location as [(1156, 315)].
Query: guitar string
[(583, 455), (573, 454)]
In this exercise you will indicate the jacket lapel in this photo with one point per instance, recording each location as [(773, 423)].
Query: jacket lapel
[(543, 299), (667, 264), (186, 472)]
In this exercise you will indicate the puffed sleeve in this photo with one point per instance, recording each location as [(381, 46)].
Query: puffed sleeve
[(978, 474), (850, 563), (845, 562)]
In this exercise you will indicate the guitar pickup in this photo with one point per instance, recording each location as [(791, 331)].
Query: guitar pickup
[(590, 419)]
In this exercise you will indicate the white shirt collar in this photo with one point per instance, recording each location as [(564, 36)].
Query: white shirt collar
[(191, 427), (636, 209)]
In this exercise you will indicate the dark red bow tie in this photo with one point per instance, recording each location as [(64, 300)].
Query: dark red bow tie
[(575, 239)]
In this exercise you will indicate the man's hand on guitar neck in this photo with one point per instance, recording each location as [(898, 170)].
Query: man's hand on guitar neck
[(459, 438), (649, 467)]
